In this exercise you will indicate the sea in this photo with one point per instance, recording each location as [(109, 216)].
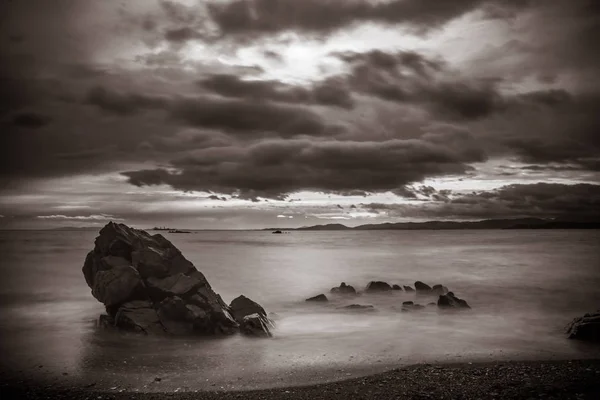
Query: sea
[(524, 287)]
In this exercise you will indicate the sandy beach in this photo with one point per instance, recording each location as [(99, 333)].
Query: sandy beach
[(576, 379)]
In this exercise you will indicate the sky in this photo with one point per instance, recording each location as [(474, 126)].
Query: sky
[(245, 114)]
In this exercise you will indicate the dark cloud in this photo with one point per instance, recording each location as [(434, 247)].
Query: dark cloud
[(247, 116), (123, 103), (566, 133), (318, 16), (328, 92), (543, 200), (405, 192), (31, 120), (532, 99), (550, 97), (180, 35), (274, 168), (412, 78)]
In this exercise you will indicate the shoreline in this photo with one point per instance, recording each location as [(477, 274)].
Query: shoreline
[(490, 379)]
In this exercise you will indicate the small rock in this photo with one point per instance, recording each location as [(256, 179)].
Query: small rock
[(343, 289), (358, 307), (378, 287), (449, 300), (318, 298), (422, 288)]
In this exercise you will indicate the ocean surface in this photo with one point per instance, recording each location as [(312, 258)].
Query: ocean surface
[(523, 286)]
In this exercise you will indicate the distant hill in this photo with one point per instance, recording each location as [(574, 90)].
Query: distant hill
[(328, 227), (518, 223)]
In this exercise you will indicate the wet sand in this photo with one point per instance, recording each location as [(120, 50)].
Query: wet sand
[(577, 379)]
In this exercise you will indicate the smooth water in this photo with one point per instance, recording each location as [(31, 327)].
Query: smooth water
[(524, 287)]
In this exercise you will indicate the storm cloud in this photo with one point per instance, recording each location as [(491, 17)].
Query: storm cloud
[(273, 168), (423, 109), (578, 202), (329, 92), (271, 16)]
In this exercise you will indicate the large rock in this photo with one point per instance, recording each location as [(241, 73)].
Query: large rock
[(585, 328), (251, 316), (449, 300), (343, 289), (378, 287), (148, 286)]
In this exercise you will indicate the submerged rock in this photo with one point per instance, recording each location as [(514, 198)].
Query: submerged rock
[(585, 328), (410, 306), (378, 286), (343, 289), (358, 307), (449, 300), (148, 286), (318, 298)]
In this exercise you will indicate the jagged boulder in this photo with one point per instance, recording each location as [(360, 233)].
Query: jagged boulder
[(251, 317), (378, 287), (148, 286), (343, 289), (319, 298), (449, 300), (585, 328)]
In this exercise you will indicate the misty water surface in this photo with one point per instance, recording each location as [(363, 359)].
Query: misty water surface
[(523, 286)]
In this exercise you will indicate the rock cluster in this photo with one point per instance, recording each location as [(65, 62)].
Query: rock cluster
[(445, 299), (148, 286), (585, 328)]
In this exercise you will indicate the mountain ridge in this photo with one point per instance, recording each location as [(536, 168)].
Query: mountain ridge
[(514, 223)]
